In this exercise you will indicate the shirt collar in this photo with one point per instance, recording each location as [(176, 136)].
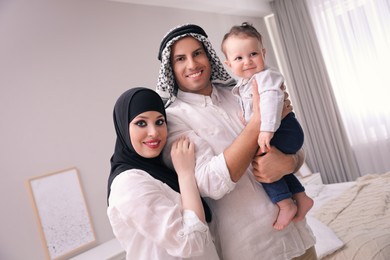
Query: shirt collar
[(243, 82), (199, 99)]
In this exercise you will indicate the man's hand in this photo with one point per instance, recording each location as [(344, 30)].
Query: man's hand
[(274, 165), (255, 102), (239, 154), (287, 107)]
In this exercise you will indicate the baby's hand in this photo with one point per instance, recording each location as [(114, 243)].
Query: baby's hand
[(264, 141), (183, 156)]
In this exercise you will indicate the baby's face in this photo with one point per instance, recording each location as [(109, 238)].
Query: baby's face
[(245, 56)]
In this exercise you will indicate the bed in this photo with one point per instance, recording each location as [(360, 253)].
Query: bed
[(352, 220)]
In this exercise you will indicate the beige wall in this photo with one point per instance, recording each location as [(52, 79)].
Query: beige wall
[(63, 63)]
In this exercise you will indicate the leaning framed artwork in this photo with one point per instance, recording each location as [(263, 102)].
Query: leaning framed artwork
[(62, 213)]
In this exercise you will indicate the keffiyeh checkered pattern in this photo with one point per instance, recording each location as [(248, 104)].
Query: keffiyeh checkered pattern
[(166, 85)]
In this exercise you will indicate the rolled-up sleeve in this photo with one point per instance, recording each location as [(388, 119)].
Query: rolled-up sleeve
[(142, 204), (211, 172)]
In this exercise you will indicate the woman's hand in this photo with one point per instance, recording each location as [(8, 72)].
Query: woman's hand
[(183, 156)]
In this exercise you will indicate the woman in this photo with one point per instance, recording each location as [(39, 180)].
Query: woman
[(154, 212)]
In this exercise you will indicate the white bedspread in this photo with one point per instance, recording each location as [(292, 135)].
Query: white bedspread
[(360, 217)]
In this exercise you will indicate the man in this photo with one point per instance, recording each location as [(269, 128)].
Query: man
[(202, 107)]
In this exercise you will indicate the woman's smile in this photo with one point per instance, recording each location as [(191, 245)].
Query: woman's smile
[(153, 144)]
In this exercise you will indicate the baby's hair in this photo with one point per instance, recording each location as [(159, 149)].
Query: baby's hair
[(245, 29)]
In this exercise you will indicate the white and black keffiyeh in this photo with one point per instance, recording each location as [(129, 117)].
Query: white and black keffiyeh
[(166, 85)]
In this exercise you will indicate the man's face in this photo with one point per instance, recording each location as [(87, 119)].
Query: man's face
[(191, 66)]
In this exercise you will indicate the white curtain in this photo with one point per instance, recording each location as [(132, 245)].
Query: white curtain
[(354, 36), (328, 150)]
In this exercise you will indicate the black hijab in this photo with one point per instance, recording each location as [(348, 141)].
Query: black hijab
[(129, 105)]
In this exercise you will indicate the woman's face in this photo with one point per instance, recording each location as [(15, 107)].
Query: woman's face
[(148, 133)]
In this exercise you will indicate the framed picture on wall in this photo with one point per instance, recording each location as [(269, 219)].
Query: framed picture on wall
[(62, 213)]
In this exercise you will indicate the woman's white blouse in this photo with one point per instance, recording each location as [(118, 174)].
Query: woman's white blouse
[(147, 218)]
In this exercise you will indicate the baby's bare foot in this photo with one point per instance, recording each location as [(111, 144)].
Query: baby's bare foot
[(287, 211), (304, 204)]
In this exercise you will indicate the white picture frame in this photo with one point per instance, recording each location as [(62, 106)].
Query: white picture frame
[(62, 213)]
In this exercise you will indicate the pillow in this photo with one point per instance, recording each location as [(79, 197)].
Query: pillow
[(326, 240), (314, 191), (304, 171)]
